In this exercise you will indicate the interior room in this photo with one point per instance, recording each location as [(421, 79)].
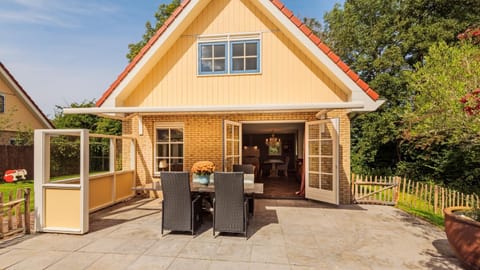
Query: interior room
[(276, 151)]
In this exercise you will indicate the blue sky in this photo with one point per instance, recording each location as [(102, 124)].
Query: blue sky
[(64, 51)]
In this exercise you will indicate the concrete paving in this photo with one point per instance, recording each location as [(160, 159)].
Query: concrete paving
[(283, 234)]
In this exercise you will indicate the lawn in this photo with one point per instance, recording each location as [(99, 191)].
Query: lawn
[(5, 188)]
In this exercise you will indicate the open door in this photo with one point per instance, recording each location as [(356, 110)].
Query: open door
[(321, 160), (232, 144)]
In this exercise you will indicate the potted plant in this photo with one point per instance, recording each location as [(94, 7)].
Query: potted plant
[(462, 226), (202, 170)]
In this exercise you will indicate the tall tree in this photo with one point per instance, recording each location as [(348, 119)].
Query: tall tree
[(380, 40), (164, 11)]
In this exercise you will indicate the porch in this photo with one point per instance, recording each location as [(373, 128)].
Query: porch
[(283, 234)]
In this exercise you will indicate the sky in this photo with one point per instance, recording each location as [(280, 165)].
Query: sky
[(64, 51)]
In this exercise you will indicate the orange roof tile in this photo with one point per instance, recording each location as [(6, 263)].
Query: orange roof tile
[(288, 13)]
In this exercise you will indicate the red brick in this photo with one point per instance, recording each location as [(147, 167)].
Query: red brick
[(343, 66), (305, 30), (278, 4), (287, 12), (354, 76), (335, 58), (362, 85), (314, 38), (371, 93), (296, 21), (324, 48)]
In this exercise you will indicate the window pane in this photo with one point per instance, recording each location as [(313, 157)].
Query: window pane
[(251, 63), (177, 135), (206, 51), (162, 150), (176, 150), (206, 66), (237, 64), (176, 165), (237, 49), (251, 49), (220, 65), (162, 135), (219, 51)]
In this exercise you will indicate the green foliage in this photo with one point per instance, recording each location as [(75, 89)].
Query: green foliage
[(164, 11), (381, 40)]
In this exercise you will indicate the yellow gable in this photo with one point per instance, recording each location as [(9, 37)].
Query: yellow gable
[(287, 75)]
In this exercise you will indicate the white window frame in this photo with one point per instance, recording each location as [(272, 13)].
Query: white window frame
[(230, 39), (156, 158)]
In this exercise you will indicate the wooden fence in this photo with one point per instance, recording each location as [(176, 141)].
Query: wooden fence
[(16, 157), (392, 190), (11, 211)]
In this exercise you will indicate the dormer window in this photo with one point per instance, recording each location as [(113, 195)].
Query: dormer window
[(229, 54)]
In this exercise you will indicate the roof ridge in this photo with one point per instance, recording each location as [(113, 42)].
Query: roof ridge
[(288, 13), (2, 66)]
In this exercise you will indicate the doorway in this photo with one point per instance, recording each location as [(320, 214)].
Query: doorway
[(278, 163)]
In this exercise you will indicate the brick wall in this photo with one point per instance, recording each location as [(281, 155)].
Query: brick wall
[(203, 140)]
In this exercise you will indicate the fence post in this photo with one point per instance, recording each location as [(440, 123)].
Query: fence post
[(9, 221), (27, 210), (435, 199), (18, 211)]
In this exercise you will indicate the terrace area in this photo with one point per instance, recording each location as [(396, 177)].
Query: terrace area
[(283, 234)]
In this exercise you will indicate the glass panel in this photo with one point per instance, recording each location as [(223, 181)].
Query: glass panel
[(206, 66), (313, 148), (251, 63), (162, 150), (238, 64), (176, 150), (118, 154), (219, 65), (236, 132), (229, 148), (229, 131), (327, 148), (236, 148), (251, 49), (327, 182), (176, 165), (327, 165), (206, 51), (162, 135), (327, 131), (313, 180), (314, 165), (219, 51), (237, 50), (229, 164), (177, 135), (313, 132)]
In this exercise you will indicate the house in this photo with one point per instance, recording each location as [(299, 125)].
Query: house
[(18, 112), (220, 72)]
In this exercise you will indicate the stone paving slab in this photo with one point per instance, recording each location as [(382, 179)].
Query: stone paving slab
[(283, 234)]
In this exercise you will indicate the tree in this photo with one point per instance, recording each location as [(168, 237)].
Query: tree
[(163, 13), (380, 40), (93, 123), (440, 128)]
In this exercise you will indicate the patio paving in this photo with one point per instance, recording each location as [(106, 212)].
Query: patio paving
[(283, 234)]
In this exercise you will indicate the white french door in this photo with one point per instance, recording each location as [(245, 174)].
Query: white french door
[(232, 144), (321, 160)]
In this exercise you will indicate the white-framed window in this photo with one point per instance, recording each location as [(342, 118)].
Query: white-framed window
[(2, 103), (168, 152), (229, 54)]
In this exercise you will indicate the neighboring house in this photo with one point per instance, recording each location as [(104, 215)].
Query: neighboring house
[(18, 112), (219, 68)]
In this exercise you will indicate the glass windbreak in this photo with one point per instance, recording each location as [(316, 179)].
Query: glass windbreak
[(64, 158)]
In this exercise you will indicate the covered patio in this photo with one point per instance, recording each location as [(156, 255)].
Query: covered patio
[(283, 234)]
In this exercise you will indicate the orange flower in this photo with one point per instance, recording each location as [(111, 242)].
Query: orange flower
[(203, 167)]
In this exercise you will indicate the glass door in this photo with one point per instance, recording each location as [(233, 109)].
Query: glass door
[(232, 144)]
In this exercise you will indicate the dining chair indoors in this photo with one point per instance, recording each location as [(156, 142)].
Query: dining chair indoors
[(229, 205), (180, 212), (284, 167)]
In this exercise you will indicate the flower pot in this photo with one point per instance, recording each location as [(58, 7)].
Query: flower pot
[(203, 179), (464, 236)]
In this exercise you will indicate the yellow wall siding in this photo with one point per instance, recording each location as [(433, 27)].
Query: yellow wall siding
[(287, 75), (19, 115)]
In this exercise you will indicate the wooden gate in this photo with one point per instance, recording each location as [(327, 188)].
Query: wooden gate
[(373, 190)]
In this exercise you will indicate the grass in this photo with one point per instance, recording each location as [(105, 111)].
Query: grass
[(5, 188)]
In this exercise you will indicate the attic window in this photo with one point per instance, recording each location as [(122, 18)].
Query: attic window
[(2, 103), (229, 54)]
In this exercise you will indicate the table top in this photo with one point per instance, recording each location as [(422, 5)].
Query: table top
[(248, 188), (273, 161)]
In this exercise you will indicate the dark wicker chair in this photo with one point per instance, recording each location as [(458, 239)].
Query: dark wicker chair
[(229, 205), (180, 212), (245, 168)]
